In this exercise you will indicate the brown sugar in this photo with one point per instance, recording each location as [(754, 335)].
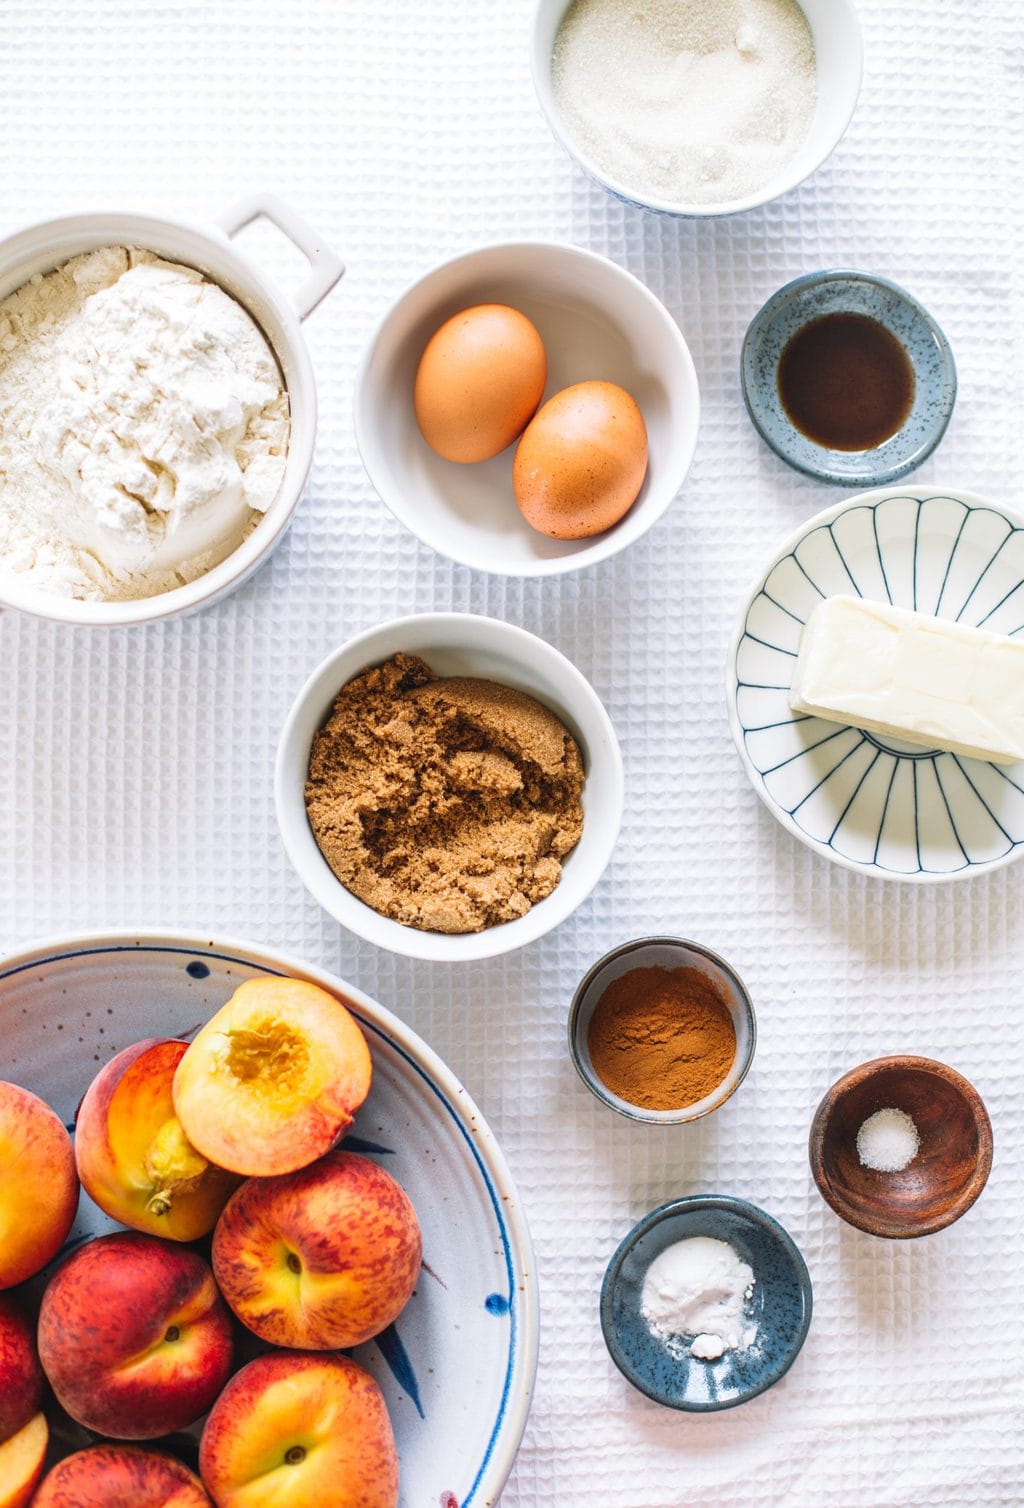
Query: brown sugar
[(445, 803), (662, 1038)]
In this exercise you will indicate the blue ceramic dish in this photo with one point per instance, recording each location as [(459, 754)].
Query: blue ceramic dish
[(844, 292), (780, 1305)]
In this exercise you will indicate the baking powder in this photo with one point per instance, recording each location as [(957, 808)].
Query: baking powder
[(690, 101), (695, 1297), (143, 426)]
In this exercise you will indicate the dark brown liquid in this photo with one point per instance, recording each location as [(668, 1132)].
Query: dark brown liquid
[(846, 382)]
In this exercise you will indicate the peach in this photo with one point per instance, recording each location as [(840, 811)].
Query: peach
[(21, 1380), (321, 1258), (120, 1476), (21, 1463), (273, 1079), (134, 1337), (35, 1154), (133, 1157), (293, 1430)]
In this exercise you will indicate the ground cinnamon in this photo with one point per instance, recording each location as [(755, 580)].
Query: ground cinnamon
[(662, 1038)]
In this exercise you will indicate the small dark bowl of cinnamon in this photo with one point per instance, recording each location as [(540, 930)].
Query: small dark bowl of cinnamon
[(662, 1030)]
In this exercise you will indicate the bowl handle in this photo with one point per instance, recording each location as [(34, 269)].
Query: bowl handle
[(325, 266)]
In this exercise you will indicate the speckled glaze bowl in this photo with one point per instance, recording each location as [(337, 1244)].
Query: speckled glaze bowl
[(845, 292), (457, 1367), (780, 1306)]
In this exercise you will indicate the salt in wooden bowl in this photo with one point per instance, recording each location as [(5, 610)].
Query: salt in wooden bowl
[(945, 1176)]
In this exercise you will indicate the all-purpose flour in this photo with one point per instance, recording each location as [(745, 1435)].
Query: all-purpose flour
[(143, 426), (689, 101)]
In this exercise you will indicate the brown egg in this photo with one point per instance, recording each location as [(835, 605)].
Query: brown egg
[(582, 461), (479, 382)]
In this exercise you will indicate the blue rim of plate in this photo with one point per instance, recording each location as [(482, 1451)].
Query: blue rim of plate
[(871, 501), (694, 1204), (38, 955), (797, 449)]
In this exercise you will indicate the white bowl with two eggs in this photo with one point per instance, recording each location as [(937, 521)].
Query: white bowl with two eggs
[(597, 322)]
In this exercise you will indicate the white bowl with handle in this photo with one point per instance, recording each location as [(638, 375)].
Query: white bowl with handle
[(211, 249)]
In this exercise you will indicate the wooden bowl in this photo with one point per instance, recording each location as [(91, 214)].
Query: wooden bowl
[(941, 1182)]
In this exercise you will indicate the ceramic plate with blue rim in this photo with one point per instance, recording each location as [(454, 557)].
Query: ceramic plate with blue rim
[(457, 1367), (881, 806), (846, 292), (779, 1307)]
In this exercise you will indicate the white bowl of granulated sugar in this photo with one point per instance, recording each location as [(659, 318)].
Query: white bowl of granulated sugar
[(697, 109)]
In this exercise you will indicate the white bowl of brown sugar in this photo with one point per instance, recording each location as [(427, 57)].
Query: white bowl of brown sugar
[(448, 786)]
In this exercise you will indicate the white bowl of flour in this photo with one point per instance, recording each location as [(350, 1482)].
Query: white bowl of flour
[(697, 107), (157, 411)]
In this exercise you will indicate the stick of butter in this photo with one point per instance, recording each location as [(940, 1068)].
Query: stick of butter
[(907, 675)]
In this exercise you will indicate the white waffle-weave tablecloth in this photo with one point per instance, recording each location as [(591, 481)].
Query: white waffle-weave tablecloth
[(137, 764)]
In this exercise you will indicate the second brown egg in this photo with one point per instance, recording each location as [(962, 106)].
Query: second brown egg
[(581, 461)]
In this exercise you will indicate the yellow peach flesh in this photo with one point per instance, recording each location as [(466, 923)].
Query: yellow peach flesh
[(21, 1463), (133, 1156), (273, 1079)]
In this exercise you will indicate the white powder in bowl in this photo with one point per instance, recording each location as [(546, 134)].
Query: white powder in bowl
[(688, 101), (888, 1141), (696, 1292), (144, 426)]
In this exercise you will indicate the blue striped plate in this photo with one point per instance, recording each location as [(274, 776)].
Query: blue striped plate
[(883, 807)]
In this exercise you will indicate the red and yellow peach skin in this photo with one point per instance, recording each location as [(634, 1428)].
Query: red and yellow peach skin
[(321, 1258), (134, 1337), (35, 1154), (133, 1157), (292, 1430)]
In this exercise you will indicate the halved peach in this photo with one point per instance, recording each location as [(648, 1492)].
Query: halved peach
[(21, 1462), (275, 1077), (134, 1158)]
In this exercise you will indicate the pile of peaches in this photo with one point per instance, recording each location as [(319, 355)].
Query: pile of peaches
[(314, 1249)]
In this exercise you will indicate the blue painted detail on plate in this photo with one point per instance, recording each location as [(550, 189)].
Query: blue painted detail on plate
[(496, 1303), (389, 1344), (70, 1245), (370, 1026), (953, 815), (197, 970), (780, 1305), (359, 1144)]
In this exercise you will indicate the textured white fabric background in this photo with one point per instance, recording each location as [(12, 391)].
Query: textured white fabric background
[(137, 765)]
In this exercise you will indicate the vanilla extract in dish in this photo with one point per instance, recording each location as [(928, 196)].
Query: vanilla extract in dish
[(846, 382)]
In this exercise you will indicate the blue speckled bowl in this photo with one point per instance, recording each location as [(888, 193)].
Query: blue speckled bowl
[(844, 292), (781, 1305)]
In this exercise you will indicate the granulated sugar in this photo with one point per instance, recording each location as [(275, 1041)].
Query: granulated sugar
[(688, 101)]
